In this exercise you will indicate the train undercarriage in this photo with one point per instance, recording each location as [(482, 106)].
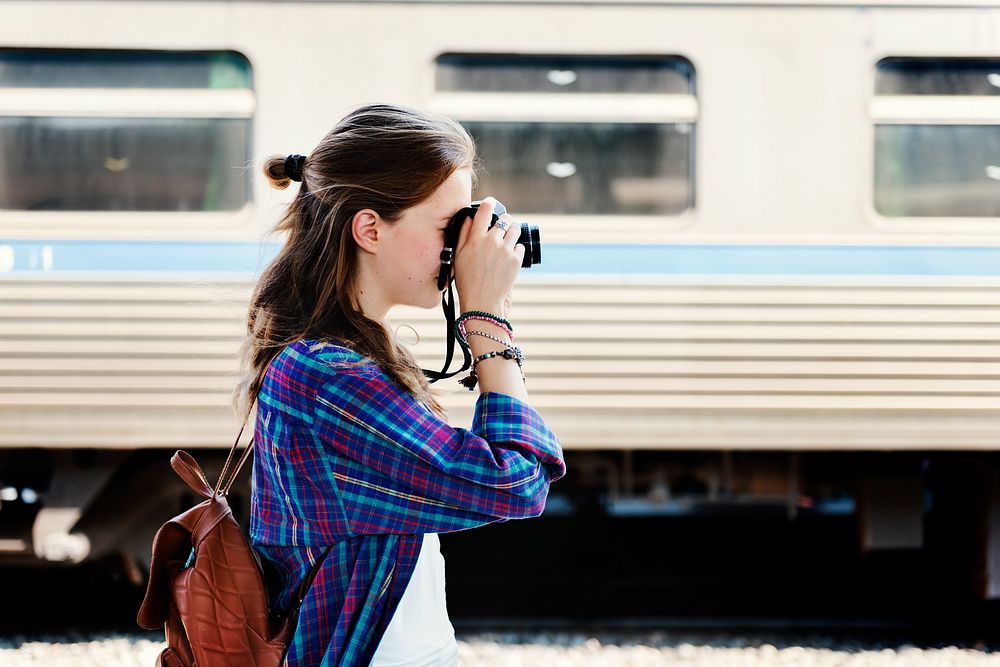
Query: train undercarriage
[(63, 507)]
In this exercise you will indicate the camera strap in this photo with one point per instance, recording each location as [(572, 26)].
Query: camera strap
[(448, 306)]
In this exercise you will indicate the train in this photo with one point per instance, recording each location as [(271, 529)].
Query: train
[(770, 277)]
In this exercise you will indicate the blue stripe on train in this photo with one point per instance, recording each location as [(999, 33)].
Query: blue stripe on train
[(18, 257)]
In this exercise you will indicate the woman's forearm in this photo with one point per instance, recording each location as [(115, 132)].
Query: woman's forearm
[(497, 373)]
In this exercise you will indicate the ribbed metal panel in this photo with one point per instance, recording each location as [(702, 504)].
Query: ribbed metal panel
[(107, 364)]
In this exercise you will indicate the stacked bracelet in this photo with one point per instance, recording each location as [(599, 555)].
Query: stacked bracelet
[(510, 352), (463, 336)]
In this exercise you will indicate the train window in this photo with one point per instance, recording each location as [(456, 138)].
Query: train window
[(937, 141), (124, 131), (587, 168), (564, 74), (937, 170), (938, 76), (24, 68), (622, 144), (122, 164)]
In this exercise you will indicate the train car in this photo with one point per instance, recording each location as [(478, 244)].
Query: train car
[(770, 276)]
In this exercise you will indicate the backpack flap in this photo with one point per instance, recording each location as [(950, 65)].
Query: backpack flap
[(172, 545), (171, 540)]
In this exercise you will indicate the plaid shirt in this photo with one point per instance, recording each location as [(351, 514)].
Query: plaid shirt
[(344, 456)]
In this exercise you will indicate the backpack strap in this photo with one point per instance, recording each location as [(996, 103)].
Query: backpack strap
[(189, 470), (227, 477)]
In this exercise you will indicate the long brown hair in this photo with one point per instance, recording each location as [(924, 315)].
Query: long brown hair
[(383, 157)]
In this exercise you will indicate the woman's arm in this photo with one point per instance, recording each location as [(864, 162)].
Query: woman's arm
[(398, 467)]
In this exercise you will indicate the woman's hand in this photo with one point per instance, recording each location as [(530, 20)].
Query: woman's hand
[(486, 264), (487, 261)]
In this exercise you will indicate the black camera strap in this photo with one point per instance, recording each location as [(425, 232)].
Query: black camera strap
[(448, 306)]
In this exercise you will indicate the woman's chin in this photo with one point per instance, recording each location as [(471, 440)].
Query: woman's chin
[(434, 300), (427, 301)]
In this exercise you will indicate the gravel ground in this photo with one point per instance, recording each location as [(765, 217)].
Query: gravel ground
[(551, 649)]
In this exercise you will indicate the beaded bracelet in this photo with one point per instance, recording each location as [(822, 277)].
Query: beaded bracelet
[(486, 335), (500, 323), (482, 314), (514, 353), (462, 335)]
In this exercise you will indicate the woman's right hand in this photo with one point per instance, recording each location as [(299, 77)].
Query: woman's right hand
[(486, 261)]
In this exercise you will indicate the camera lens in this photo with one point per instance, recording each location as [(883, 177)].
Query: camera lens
[(532, 245)]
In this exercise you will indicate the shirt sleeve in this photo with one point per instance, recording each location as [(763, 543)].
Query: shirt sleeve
[(399, 468)]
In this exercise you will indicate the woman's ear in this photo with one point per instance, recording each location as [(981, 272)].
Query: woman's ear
[(366, 227)]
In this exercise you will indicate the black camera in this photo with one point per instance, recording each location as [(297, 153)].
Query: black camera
[(528, 238)]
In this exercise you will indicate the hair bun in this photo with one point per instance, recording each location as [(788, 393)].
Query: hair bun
[(293, 167)]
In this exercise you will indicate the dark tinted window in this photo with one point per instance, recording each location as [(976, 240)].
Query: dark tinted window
[(564, 74), (23, 68), (586, 168), (123, 164), (937, 170), (938, 76)]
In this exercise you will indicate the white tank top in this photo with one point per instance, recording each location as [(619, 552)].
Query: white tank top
[(420, 633)]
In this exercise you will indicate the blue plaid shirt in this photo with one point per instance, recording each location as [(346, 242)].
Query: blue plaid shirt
[(345, 457)]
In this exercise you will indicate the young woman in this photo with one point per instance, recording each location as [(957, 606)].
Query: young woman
[(352, 451)]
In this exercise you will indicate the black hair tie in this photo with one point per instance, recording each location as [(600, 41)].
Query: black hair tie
[(293, 166)]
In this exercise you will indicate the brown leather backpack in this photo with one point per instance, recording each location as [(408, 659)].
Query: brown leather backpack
[(206, 588)]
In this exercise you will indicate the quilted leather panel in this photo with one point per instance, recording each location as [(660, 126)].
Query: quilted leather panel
[(222, 602)]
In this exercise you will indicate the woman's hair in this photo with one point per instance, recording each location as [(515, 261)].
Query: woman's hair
[(386, 158)]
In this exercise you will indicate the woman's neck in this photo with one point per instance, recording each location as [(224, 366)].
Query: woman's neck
[(371, 301)]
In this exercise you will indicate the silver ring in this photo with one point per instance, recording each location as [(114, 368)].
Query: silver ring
[(502, 224)]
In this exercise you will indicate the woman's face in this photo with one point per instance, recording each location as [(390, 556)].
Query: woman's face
[(411, 256)]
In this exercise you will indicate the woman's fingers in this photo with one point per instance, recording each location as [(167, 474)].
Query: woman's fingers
[(484, 215), (480, 223), (512, 232), (510, 236), (504, 232), (507, 229), (519, 250)]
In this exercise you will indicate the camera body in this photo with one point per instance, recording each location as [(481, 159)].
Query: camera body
[(528, 238)]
